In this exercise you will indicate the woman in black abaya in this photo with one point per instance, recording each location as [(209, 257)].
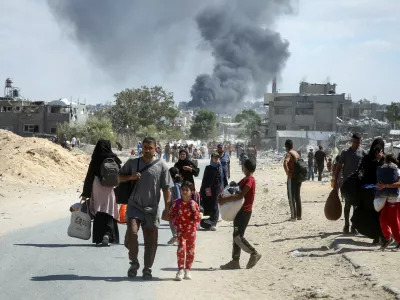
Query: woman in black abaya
[(102, 198), (187, 169)]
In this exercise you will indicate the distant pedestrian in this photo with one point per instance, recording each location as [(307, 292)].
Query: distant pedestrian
[(320, 158), (175, 194), (73, 142), (311, 164), (225, 160), (349, 161), (242, 219), (293, 186), (143, 207), (186, 215), (102, 198)]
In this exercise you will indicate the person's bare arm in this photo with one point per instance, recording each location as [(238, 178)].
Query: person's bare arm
[(126, 178), (167, 196), (286, 164), (396, 185), (234, 198), (339, 168)]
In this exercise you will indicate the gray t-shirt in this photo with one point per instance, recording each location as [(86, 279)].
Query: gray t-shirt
[(351, 160), (148, 187)]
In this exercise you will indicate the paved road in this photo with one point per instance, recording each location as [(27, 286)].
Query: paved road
[(44, 263)]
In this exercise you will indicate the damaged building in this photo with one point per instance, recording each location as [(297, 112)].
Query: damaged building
[(25, 118)]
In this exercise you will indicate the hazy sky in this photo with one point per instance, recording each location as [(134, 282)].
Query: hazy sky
[(353, 42)]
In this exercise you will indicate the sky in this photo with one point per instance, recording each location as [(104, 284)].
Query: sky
[(351, 43)]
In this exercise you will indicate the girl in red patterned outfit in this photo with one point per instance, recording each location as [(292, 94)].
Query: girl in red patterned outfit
[(186, 215)]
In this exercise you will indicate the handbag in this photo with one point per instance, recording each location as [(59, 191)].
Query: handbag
[(80, 225), (124, 190)]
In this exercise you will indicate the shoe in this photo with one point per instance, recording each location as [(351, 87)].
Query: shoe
[(346, 229), (179, 275), (188, 276), (232, 265), (147, 274), (106, 240), (353, 230), (299, 219), (386, 243), (132, 272), (254, 258), (213, 228), (172, 241)]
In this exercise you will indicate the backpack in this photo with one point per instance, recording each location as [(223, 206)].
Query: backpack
[(300, 173), (109, 172)]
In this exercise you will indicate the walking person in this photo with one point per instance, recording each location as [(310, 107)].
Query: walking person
[(167, 152), (320, 158), (349, 161), (187, 169), (186, 215), (311, 164), (225, 160), (242, 219), (175, 194), (390, 214), (143, 206), (293, 186), (103, 205), (214, 181)]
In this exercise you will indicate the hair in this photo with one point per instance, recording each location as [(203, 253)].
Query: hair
[(250, 165), (329, 159), (188, 184), (356, 136), (215, 154), (320, 147), (390, 158), (377, 149), (150, 140), (289, 144), (174, 172), (337, 158)]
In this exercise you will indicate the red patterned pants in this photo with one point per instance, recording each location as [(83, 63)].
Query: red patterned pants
[(186, 249)]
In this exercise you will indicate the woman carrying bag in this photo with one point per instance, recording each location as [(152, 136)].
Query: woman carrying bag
[(99, 188)]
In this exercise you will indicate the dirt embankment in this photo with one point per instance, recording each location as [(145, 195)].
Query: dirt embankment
[(39, 162)]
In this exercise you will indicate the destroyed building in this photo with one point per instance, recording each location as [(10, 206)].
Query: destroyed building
[(26, 118), (315, 108)]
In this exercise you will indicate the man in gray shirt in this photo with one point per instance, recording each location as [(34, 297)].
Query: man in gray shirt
[(143, 206), (349, 161)]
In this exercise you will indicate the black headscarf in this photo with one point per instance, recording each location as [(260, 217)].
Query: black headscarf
[(370, 164), (187, 175)]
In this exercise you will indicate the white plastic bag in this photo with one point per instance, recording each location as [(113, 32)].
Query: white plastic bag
[(80, 226), (229, 210), (379, 203)]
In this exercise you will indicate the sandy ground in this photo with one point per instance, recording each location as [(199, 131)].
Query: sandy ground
[(326, 265)]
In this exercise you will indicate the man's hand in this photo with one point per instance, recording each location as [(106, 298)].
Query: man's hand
[(136, 176), (165, 215)]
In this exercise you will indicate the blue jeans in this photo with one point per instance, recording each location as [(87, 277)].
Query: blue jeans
[(310, 172)]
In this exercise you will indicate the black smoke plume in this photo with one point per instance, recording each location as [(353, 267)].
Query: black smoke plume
[(247, 52)]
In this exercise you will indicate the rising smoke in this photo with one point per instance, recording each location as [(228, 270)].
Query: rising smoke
[(247, 53), (121, 34)]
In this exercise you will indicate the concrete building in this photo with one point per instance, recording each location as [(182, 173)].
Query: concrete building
[(26, 118), (367, 109), (313, 111)]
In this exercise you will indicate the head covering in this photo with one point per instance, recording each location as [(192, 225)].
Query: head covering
[(183, 162), (220, 146), (375, 143), (103, 151)]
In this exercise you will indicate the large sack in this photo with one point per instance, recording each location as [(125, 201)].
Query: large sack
[(229, 210), (333, 206)]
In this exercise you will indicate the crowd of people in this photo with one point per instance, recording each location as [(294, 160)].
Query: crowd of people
[(365, 179), (184, 205)]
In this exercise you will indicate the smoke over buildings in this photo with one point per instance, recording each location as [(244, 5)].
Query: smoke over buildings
[(119, 35)]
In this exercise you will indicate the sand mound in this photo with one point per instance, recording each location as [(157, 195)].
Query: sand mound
[(40, 162)]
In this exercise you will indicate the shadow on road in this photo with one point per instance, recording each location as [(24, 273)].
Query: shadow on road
[(322, 236), (77, 245), (72, 277), (193, 269)]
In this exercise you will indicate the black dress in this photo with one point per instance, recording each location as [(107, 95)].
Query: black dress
[(187, 175)]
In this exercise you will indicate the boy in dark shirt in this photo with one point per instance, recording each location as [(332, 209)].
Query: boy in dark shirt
[(248, 191)]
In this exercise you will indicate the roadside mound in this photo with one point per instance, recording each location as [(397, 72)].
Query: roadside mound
[(37, 161)]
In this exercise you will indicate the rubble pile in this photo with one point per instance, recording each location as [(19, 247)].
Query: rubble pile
[(368, 122), (40, 162)]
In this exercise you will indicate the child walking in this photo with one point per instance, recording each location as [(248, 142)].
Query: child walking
[(242, 219), (186, 215), (388, 188), (175, 194)]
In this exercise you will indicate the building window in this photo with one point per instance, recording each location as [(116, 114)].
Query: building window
[(279, 111), (281, 127), (17, 109), (6, 108), (53, 130), (31, 128), (304, 111)]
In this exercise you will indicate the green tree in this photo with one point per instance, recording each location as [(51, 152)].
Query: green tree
[(250, 120), (136, 109), (392, 113), (204, 126)]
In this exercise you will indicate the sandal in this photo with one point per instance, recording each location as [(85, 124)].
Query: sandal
[(132, 272), (147, 274)]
